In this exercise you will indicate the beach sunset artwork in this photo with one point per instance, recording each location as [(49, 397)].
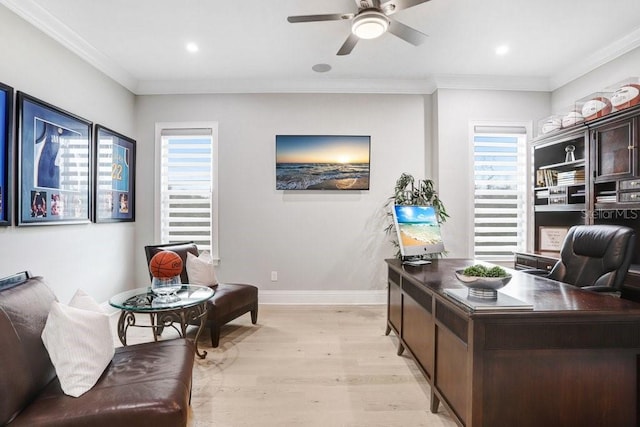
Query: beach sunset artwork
[(317, 162)]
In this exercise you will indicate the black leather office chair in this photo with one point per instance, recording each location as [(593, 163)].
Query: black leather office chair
[(594, 257)]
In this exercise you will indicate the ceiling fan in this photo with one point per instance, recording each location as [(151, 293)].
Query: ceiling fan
[(372, 20)]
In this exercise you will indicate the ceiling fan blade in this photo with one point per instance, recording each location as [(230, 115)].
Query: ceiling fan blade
[(348, 45), (316, 18), (406, 33), (392, 6)]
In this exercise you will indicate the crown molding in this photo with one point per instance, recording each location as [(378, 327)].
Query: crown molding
[(43, 20), (328, 85), (324, 85), (51, 26), (596, 59), (478, 82)]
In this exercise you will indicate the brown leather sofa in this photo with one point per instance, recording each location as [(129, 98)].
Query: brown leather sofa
[(145, 384)]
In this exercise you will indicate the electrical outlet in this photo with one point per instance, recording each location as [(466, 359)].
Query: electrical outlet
[(274, 276)]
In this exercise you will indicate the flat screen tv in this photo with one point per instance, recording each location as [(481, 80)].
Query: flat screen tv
[(418, 230), (322, 162)]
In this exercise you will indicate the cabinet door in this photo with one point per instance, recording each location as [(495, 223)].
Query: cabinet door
[(615, 153)]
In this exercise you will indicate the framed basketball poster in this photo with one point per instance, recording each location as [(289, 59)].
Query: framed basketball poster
[(115, 160), (54, 164), (6, 143)]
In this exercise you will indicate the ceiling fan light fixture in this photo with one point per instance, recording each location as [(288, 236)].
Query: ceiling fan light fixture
[(370, 24)]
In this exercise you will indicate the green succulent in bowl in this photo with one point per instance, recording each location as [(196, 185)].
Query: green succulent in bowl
[(480, 270)]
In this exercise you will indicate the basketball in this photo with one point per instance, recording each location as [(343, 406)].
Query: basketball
[(165, 264)]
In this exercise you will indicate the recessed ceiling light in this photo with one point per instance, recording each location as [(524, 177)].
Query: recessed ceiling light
[(321, 68), (192, 47), (502, 50)]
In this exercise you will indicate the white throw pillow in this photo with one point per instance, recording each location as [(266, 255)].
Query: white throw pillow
[(200, 269), (79, 340)]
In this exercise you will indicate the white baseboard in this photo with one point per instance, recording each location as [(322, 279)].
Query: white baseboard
[(372, 297)]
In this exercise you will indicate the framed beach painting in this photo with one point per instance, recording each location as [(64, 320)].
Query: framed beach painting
[(322, 162), (115, 162), (6, 143), (54, 164)]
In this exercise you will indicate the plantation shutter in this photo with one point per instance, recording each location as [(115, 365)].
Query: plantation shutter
[(187, 186), (500, 191)]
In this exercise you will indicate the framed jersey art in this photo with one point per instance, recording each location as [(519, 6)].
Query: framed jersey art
[(115, 157), (6, 124), (54, 164)]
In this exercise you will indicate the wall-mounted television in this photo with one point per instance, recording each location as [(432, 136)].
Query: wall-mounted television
[(322, 162), (418, 230)]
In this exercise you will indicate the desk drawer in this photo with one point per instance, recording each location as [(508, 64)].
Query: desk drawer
[(630, 197), (546, 263), (630, 184), (559, 199), (526, 261)]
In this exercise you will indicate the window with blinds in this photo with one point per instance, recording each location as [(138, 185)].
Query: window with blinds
[(187, 186), (500, 211)]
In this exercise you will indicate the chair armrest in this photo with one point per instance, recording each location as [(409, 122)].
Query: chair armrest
[(536, 272)]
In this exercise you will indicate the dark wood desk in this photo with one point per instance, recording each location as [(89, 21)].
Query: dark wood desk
[(571, 361)]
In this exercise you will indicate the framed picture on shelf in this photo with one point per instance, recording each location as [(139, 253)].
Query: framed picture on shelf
[(6, 145), (552, 238), (115, 172), (54, 164)]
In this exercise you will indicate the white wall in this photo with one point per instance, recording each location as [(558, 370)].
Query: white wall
[(602, 77), (96, 258), (455, 110), (314, 240)]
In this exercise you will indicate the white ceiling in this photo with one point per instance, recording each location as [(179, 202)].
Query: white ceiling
[(248, 45)]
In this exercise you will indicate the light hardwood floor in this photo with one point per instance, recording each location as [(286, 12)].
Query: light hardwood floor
[(308, 366)]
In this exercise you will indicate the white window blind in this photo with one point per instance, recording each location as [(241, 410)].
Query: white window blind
[(499, 155), (187, 184)]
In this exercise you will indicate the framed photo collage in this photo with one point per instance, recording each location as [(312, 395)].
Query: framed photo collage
[(68, 170)]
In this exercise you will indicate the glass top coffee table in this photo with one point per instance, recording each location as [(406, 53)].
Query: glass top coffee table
[(186, 306)]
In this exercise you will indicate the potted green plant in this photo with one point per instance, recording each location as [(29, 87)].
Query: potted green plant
[(408, 191)]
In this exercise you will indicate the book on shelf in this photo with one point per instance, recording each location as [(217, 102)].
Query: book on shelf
[(606, 196), (546, 177), (606, 199), (574, 177), (570, 182)]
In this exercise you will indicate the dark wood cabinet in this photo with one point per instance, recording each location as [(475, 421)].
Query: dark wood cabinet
[(600, 186), (561, 184), (615, 150)]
